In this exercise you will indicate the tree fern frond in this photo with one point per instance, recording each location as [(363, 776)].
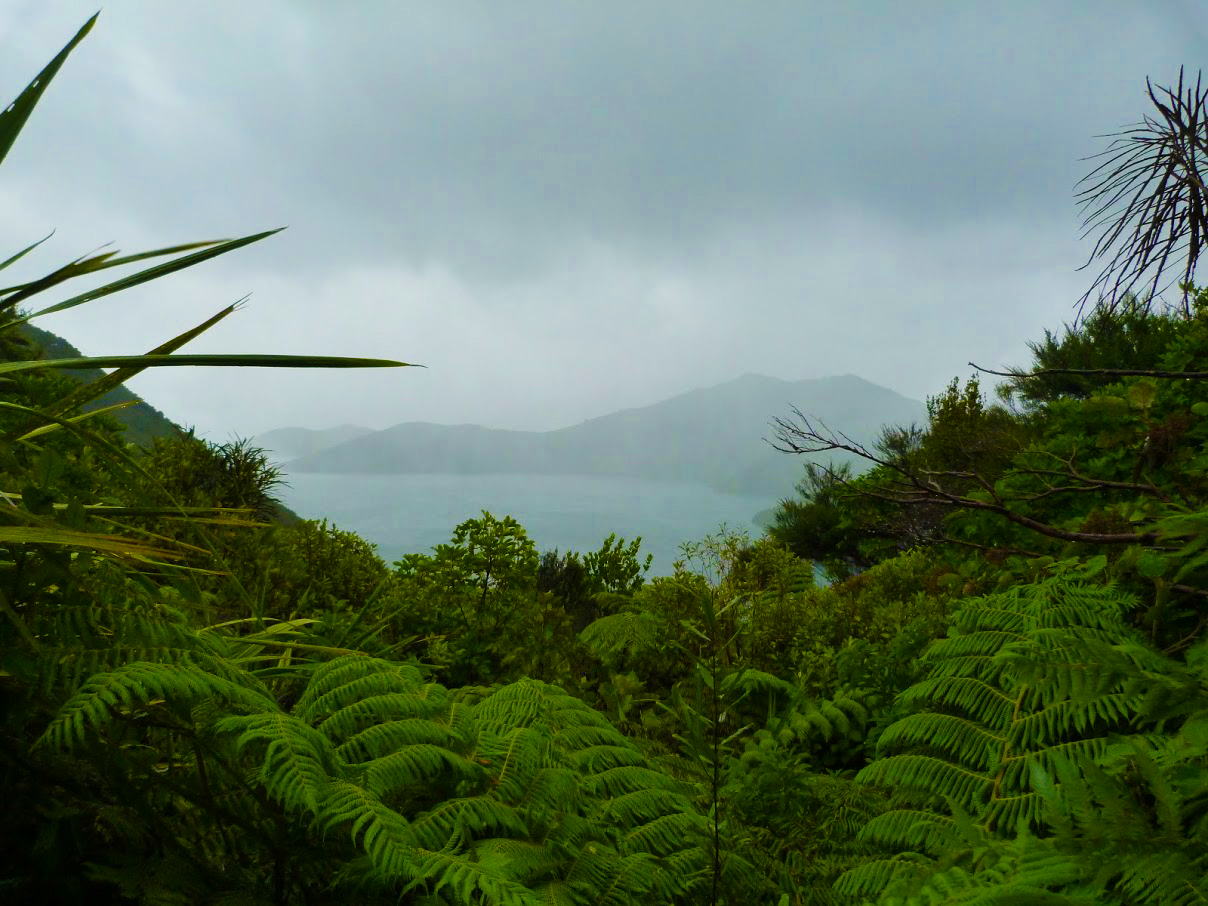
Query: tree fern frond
[(839, 718), (136, 684), (1015, 812), (382, 832), (347, 679), (357, 715), (99, 637), (70, 666), (601, 759), (515, 757), (597, 874), (643, 806), (909, 829), (855, 703), (382, 739), (469, 816), (1015, 767), (975, 642), (749, 681), (1014, 726), (966, 741), (469, 879), (983, 666), (870, 878), (298, 761), (1163, 879), (1078, 666), (673, 874), (988, 702), (806, 721), (996, 612), (1050, 724), (522, 860), (558, 892), (967, 787), (624, 633), (665, 834), (529, 702), (631, 778)]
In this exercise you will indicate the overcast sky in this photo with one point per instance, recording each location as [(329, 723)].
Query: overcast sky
[(567, 208)]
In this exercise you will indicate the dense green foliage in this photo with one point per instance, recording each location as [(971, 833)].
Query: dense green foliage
[(1002, 697)]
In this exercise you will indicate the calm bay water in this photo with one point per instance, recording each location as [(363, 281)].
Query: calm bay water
[(406, 514)]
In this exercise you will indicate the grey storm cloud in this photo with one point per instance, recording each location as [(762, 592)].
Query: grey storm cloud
[(564, 208)]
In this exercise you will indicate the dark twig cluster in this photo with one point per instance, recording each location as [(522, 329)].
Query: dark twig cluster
[(908, 484), (1098, 372)]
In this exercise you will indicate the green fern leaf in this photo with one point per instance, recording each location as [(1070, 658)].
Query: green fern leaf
[(298, 761)]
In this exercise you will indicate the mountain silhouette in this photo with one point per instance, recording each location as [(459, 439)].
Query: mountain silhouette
[(713, 436)]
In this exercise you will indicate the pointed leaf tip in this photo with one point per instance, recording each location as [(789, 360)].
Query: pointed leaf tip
[(15, 115)]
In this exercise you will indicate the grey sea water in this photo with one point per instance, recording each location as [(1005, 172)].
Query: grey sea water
[(410, 513)]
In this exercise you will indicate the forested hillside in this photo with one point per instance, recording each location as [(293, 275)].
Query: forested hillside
[(143, 423), (131, 421), (1003, 697)]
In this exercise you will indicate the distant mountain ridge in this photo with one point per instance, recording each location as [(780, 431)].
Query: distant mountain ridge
[(290, 443), (711, 436)]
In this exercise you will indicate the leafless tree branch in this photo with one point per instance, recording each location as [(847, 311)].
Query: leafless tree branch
[(1101, 372), (913, 486)]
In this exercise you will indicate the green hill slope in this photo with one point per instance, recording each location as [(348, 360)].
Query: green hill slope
[(142, 421)]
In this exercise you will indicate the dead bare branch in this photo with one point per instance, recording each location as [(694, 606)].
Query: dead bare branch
[(912, 486), (1100, 372)]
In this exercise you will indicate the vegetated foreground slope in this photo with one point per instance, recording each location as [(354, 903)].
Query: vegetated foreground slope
[(1008, 704), (714, 436)]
